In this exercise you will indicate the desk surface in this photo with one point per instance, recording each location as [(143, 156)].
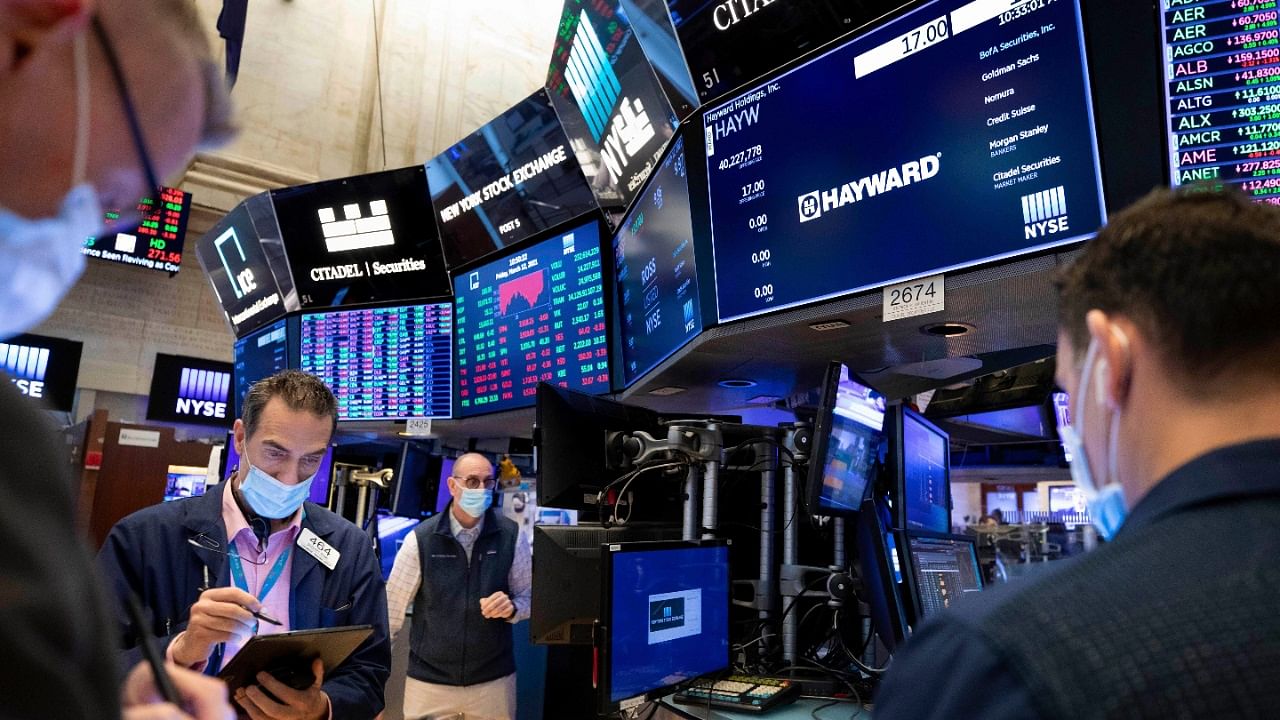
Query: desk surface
[(801, 709)]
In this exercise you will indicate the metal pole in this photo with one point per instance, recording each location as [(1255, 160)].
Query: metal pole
[(710, 496), (838, 554), (692, 493), (768, 586)]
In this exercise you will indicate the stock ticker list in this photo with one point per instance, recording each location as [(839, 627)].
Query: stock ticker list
[(1222, 73), (959, 133), (383, 363), (535, 316)]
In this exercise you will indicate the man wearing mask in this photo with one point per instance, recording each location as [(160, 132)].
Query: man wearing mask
[(467, 573), (251, 556), (74, 138), (1168, 347)]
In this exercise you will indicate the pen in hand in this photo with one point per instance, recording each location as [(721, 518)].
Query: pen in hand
[(259, 614)]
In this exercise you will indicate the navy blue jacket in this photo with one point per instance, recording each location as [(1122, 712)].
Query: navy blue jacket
[(149, 553), (1174, 618)]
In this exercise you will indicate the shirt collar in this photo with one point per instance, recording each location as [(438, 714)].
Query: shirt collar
[(1249, 469), (457, 528)]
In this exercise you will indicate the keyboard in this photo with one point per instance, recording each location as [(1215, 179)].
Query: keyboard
[(743, 693)]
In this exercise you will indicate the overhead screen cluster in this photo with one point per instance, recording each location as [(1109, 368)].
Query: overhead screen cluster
[(703, 165)]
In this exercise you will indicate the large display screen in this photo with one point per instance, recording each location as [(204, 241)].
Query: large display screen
[(43, 367), (383, 363), (507, 181), (190, 390), (155, 242), (363, 239), (614, 109), (1222, 84), (237, 267), (258, 356), (657, 281), (536, 315), (729, 43), (961, 132)]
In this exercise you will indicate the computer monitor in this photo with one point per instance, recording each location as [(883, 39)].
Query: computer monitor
[(443, 496), (881, 574), (259, 355), (848, 435), (664, 617), (922, 460), (942, 568), (416, 479), (566, 577), (185, 481)]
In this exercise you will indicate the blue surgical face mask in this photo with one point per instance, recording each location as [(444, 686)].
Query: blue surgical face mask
[(1106, 505), (271, 498), (475, 502), (41, 259)]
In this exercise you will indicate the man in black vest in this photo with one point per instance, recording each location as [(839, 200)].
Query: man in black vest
[(1168, 345), (467, 573)]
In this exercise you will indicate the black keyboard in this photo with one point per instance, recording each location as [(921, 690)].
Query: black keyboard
[(744, 693)]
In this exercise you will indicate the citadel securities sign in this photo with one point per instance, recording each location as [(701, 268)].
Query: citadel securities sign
[(728, 14)]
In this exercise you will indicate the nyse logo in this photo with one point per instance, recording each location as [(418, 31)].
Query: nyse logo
[(810, 207), (203, 393), (356, 231), (27, 366), (630, 131), (591, 78), (231, 251), (1045, 213)]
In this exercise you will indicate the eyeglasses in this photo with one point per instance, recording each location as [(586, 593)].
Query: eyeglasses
[(204, 542), (131, 115), (474, 482)]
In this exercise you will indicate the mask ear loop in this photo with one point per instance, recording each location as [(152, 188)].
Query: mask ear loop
[(1113, 438), (80, 50)]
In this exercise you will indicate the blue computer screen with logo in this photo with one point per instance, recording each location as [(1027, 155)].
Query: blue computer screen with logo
[(958, 133), (669, 617)]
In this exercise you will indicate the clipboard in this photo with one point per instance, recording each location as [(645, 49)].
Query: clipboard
[(288, 655)]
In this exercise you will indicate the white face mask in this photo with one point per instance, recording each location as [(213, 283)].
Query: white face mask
[(40, 259)]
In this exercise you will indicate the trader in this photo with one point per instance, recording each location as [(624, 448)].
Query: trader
[(70, 73), (477, 583), (251, 548), (1167, 346)]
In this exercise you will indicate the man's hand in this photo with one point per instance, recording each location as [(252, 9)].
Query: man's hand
[(497, 606), (218, 616), (309, 704), (204, 697)]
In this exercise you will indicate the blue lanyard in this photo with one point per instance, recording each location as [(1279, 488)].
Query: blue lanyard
[(237, 571)]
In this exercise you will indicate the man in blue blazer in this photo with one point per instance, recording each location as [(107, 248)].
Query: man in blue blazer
[(252, 557)]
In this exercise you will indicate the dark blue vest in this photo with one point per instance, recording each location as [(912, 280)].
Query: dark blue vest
[(452, 643)]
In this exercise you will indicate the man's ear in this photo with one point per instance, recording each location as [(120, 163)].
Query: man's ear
[(26, 25), (1115, 355)]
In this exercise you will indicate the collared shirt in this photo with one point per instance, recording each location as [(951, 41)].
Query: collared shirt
[(406, 574)]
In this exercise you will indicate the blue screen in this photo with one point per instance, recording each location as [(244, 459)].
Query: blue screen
[(857, 427), (258, 356), (926, 484), (383, 363), (657, 282), (669, 620), (951, 136), (536, 315)]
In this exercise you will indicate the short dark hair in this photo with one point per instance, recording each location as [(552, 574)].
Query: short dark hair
[(1197, 270), (298, 390)]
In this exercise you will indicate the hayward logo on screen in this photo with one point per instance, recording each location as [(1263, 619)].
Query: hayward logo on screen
[(356, 231), (27, 366), (203, 393), (1045, 213), (675, 615), (591, 78), (813, 205)]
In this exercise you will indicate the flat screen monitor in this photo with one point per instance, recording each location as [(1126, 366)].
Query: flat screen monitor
[(416, 483), (155, 242), (1219, 70), (611, 103), (42, 367), (881, 574), (1062, 415), (565, 600), (513, 178), (655, 272), (443, 496), (942, 570), (665, 617), (383, 363), (259, 355), (537, 314), (848, 436), (190, 390), (319, 487), (364, 239), (923, 462), (185, 481), (953, 135), (238, 268)]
